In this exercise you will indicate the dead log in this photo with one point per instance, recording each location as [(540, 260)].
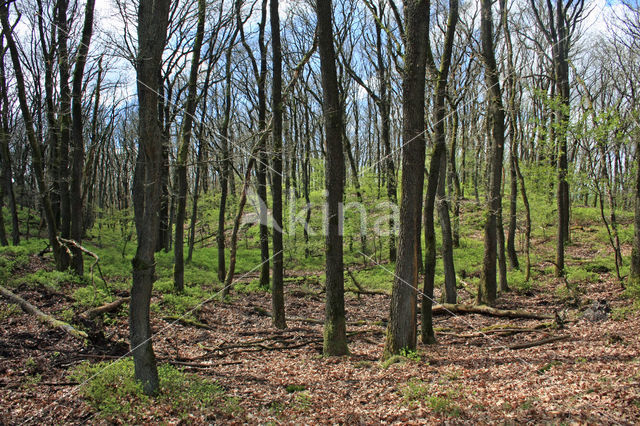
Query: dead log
[(448, 308), (45, 318), (109, 307), (538, 342)]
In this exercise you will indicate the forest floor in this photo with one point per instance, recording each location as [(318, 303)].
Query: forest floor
[(265, 375)]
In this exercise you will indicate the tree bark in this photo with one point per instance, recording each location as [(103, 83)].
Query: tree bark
[(450, 291), (277, 286), (225, 166), (401, 332), (438, 160), (77, 156), (634, 275), (152, 32), (64, 124), (487, 287), (335, 339), (183, 151), (261, 167)]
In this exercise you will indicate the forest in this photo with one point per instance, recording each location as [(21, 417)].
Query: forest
[(319, 211)]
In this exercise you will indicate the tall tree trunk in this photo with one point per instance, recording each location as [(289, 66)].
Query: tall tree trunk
[(261, 167), (36, 153), (438, 159), (401, 332), (335, 337), (487, 287), (77, 156), (153, 18), (183, 151), (7, 172), (225, 166), (634, 275), (65, 124), (510, 82), (277, 287)]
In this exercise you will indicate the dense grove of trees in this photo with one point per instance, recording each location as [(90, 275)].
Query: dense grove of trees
[(423, 102)]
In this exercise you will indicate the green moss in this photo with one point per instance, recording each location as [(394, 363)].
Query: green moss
[(110, 388)]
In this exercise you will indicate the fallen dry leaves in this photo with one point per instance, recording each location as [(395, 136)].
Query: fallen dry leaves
[(593, 377)]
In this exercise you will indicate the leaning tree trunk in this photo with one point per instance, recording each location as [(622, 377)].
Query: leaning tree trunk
[(153, 16), (401, 332), (335, 337)]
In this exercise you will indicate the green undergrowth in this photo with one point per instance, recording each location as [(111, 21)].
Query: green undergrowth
[(111, 390), (417, 392)]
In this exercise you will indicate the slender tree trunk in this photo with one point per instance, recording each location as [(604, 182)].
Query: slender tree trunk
[(457, 192), (77, 156), (401, 332), (225, 167), (335, 337), (183, 151), (634, 275), (152, 28), (510, 82), (261, 167), (201, 164), (7, 172), (36, 153), (277, 287), (438, 159), (527, 223), (487, 288), (450, 290), (65, 125)]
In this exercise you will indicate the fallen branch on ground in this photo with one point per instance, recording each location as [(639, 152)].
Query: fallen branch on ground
[(448, 308), (108, 307), (45, 318)]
